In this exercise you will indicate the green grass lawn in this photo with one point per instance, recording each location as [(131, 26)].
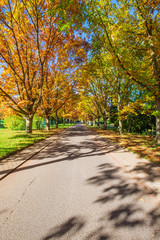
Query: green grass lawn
[(12, 141)]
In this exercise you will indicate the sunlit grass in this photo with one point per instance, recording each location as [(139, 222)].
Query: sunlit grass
[(12, 141), (144, 146)]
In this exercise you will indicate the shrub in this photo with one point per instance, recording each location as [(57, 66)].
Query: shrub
[(14, 123), (38, 122)]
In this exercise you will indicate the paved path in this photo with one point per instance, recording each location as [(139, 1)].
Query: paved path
[(81, 188)]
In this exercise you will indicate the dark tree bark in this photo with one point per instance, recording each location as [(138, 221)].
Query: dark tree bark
[(56, 119), (105, 122)]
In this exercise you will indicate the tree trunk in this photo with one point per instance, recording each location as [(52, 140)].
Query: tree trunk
[(47, 123), (98, 122), (120, 126), (64, 121), (158, 120), (105, 122), (56, 120), (118, 108), (119, 120), (29, 120), (157, 77), (130, 124)]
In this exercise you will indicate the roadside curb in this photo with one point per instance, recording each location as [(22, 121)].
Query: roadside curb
[(11, 163)]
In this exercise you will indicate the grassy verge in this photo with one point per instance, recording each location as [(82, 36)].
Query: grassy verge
[(144, 146), (12, 141)]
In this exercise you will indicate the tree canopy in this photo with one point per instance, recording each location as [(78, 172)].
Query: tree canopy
[(86, 58)]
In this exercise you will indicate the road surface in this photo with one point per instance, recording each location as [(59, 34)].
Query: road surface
[(75, 190)]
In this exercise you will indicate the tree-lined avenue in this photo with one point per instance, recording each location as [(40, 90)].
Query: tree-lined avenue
[(75, 190)]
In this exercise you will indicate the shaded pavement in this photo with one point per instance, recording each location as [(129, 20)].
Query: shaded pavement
[(81, 187)]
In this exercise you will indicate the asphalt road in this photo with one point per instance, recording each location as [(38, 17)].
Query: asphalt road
[(74, 190)]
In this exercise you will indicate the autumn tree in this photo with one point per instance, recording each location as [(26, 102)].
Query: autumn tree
[(60, 77), (28, 35), (71, 110), (97, 86), (88, 109), (129, 31), (57, 90)]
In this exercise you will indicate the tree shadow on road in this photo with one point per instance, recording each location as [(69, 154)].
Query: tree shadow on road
[(73, 226), (125, 200), (65, 150), (69, 228), (97, 234), (151, 171)]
